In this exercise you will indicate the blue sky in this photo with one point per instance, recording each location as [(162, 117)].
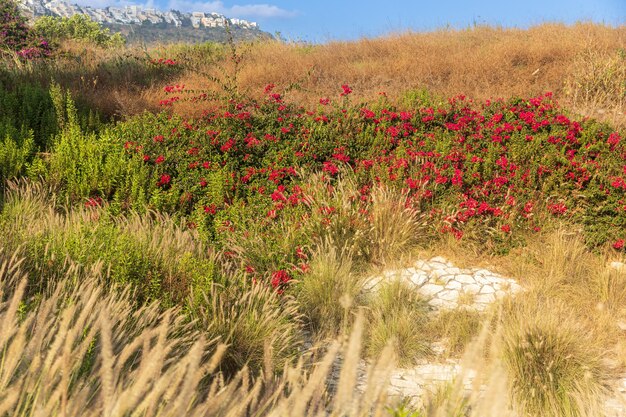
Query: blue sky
[(324, 20)]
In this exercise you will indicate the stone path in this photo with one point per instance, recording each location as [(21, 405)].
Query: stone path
[(449, 287), (410, 384)]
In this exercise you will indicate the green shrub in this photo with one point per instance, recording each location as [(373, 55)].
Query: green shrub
[(159, 259), (85, 165), (27, 107), (77, 27), (15, 155)]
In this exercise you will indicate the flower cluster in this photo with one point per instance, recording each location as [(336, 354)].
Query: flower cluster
[(17, 36), (167, 62), (504, 167)]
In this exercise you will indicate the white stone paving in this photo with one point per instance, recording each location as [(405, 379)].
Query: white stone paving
[(450, 287)]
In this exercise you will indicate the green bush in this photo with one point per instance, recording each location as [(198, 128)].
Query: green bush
[(27, 107), (77, 27), (15, 155), (151, 253)]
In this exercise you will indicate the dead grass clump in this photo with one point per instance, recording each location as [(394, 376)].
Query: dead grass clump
[(554, 362), (330, 290), (253, 321), (596, 86), (457, 328), (399, 317)]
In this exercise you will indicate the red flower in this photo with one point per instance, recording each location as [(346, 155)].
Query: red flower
[(280, 277), (227, 145), (557, 208), (300, 253), (160, 159), (346, 90), (93, 202), (277, 195), (613, 139), (164, 180), (324, 101), (506, 228), (330, 168), (619, 244)]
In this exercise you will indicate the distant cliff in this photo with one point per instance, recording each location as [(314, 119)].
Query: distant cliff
[(149, 25), (161, 33)]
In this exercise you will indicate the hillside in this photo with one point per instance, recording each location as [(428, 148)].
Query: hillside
[(151, 34), (582, 65), (149, 25), (417, 225)]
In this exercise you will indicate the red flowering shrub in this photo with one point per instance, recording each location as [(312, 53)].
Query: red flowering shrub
[(501, 166), (15, 35)]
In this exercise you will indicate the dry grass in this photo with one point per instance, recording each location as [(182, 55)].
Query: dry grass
[(480, 62), (395, 229), (253, 321), (81, 350), (398, 317), (582, 64), (378, 232), (84, 351), (456, 328), (330, 291)]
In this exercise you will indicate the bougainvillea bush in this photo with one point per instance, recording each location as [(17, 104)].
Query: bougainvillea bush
[(16, 36), (248, 175)]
